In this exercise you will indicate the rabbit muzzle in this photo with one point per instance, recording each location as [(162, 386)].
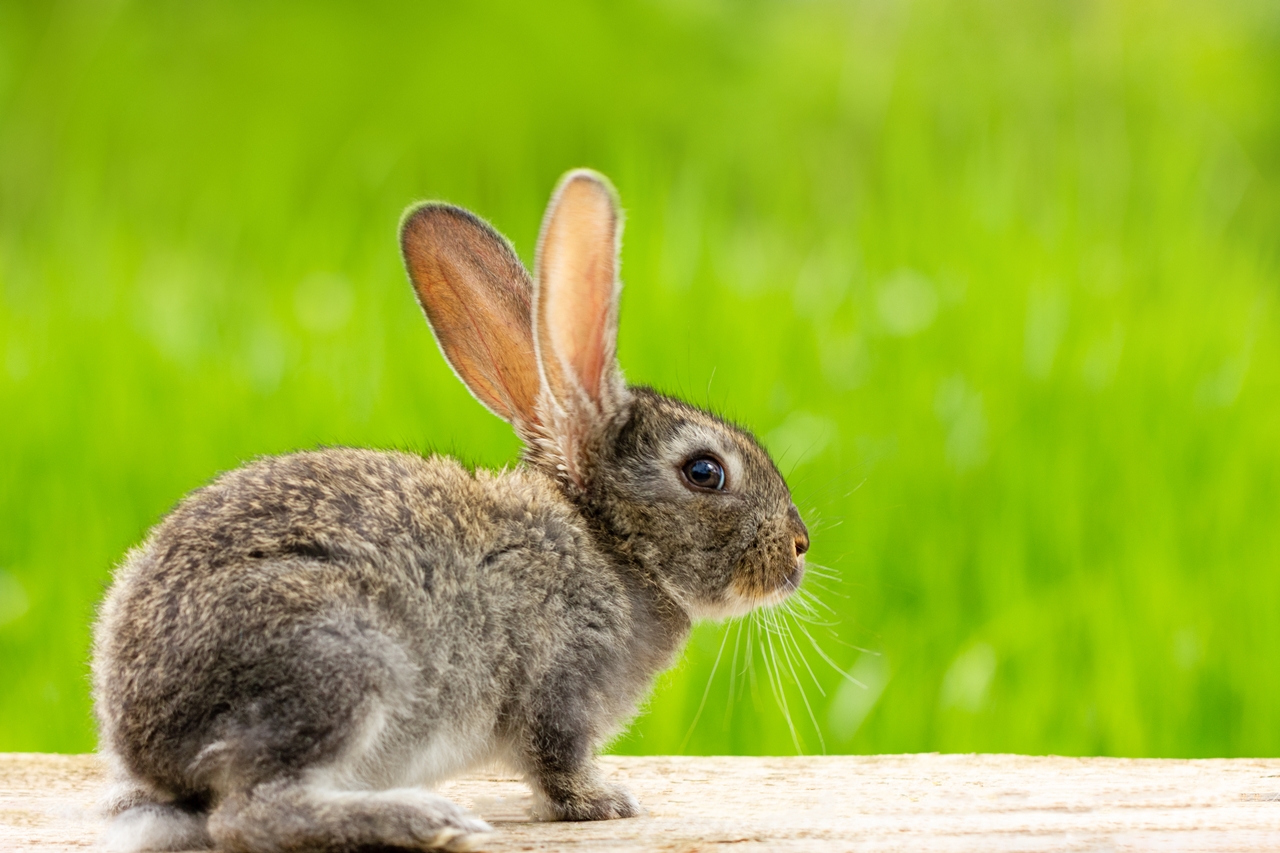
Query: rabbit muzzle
[(772, 568)]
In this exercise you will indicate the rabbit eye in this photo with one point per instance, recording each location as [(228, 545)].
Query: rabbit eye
[(705, 473)]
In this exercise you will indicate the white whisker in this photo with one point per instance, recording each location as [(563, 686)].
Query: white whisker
[(705, 693), (818, 601), (775, 682), (798, 601), (789, 637), (804, 660), (733, 671), (843, 674)]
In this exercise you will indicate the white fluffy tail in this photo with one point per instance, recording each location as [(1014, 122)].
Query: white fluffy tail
[(157, 826)]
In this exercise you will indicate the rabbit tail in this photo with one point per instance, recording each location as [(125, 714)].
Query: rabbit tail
[(157, 826)]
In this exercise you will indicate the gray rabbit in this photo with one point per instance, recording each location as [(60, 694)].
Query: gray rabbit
[(306, 644)]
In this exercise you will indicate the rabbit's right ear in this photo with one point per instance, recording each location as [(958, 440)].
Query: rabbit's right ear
[(478, 299), (576, 320)]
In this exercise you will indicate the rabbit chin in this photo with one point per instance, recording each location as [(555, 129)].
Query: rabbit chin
[(738, 601)]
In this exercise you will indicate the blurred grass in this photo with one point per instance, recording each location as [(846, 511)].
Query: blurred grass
[(997, 282)]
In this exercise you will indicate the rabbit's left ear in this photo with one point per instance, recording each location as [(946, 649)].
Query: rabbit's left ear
[(576, 313), (476, 295)]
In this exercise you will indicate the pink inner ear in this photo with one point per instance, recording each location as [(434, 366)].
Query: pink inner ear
[(579, 282), (477, 299)]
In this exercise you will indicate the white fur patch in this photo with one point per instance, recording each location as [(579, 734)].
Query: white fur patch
[(156, 827), (380, 756), (445, 755)]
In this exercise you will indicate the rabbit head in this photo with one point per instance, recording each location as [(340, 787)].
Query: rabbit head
[(693, 501)]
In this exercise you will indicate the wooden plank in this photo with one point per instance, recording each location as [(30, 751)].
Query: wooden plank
[(885, 802)]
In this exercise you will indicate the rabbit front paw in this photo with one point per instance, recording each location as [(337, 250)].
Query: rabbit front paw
[(602, 802)]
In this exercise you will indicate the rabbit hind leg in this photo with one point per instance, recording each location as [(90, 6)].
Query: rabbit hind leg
[(287, 814)]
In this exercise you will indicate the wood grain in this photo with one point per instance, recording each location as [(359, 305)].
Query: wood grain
[(885, 802)]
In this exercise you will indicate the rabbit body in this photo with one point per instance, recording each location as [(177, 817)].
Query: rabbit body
[(305, 643), (383, 619)]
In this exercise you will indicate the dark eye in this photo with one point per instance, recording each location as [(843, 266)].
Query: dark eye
[(705, 473)]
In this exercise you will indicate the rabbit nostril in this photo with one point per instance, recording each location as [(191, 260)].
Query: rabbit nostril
[(802, 545)]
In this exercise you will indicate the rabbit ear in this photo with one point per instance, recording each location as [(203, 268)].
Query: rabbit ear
[(576, 324), (478, 300), (576, 312)]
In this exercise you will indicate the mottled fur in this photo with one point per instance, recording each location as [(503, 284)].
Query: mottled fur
[(303, 644)]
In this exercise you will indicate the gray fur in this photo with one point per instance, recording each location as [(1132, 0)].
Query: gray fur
[(304, 642)]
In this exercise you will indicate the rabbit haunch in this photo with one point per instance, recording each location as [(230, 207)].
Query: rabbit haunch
[(303, 643)]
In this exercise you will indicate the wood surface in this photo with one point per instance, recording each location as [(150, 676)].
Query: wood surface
[(884, 802)]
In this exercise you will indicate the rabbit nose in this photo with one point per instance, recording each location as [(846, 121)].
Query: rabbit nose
[(800, 532)]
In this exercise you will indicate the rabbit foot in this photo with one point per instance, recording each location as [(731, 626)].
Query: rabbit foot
[(455, 840), (280, 817), (604, 802)]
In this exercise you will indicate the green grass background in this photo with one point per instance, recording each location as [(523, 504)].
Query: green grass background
[(997, 282)]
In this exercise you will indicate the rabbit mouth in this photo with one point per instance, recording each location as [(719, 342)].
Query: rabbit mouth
[(791, 583), (785, 587), (746, 593), (753, 593)]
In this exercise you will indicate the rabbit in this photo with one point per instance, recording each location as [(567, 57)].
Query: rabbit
[(307, 644)]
